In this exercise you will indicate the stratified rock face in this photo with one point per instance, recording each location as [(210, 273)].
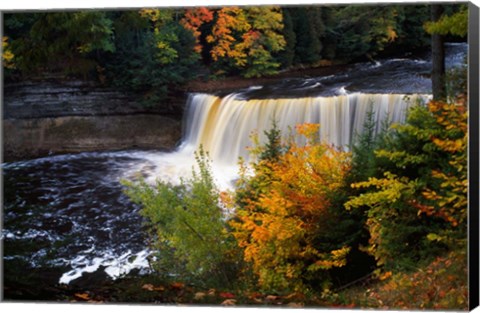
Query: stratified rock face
[(29, 138), (51, 117), (53, 98)]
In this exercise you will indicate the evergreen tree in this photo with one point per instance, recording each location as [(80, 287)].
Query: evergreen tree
[(309, 30), (287, 56), (63, 42)]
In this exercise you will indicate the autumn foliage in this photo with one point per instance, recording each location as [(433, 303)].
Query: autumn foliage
[(419, 206), (193, 19), (279, 227), (295, 224), (245, 39)]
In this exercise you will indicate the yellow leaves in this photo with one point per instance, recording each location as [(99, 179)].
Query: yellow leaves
[(7, 55), (451, 145), (455, 24), (391, 34), (166, 54), (278, 227), (158, 17), (336, 258), (308, 130), (390, 189)]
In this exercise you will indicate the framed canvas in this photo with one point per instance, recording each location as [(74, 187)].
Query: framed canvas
[(309, 155)]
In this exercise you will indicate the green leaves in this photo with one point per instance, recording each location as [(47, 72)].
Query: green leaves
[(422, 197), (189, 226), (455, 24), (62, 41)]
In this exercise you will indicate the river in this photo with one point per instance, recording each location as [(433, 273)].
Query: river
[(68, 212)]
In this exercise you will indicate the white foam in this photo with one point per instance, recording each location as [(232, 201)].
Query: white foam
[(78, 272), (115, 266)]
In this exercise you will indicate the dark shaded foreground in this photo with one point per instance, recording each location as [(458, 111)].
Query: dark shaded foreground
[(136, 289)]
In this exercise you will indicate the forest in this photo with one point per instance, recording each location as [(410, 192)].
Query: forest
[(155, 51), (381, 224)]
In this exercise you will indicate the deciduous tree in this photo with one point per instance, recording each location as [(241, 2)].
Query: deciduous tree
[(279, 228)]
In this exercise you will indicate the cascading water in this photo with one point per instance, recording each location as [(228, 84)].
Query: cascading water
[(223, 125), (69, 212)]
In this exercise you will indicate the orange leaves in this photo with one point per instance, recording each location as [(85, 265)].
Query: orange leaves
[(178, 285), (229, 20), (441, 285), (308, 130), (278, 228), (246, 37), (450, 200), (82, 296), (193, 19), (386, 275)]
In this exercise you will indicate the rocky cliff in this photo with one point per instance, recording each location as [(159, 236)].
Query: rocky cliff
[(53, 116)]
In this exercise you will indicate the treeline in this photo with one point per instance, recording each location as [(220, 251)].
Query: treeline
[(152, 50)]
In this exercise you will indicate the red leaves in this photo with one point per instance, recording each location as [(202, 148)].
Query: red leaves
[(177, 285), (193, 19), (226, 295)]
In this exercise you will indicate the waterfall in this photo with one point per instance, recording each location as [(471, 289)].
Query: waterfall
[(223, 125)]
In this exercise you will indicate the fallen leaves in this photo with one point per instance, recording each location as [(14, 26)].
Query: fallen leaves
[(227, 295), (151, 287), (178, 285), (85, 297), (82, 296), (271, 298), (229, 302), (295, 305), (199, 295)]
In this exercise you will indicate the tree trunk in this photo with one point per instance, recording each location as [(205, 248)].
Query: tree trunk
[(438, 58)]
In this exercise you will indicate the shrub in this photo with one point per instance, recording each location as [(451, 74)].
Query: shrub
[(189, 227)]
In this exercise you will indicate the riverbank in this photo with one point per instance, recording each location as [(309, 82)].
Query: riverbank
[(230, 84), (440, 285)]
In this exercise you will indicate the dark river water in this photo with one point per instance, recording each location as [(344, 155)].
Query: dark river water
[(69, 211)]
